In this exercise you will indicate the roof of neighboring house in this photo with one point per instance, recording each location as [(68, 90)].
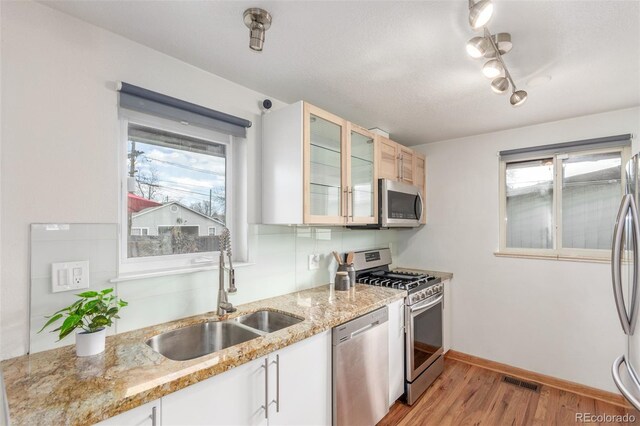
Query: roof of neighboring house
[(136, 204), (161, 206)]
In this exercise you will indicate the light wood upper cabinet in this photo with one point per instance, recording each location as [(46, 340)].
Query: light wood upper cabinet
[(325, 167), (388, 152), (406, 164), (362, 177)]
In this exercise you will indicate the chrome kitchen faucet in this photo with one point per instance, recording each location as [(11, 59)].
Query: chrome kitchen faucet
[(223, 305)]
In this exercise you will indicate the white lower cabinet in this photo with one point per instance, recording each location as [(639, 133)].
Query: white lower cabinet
[(396, 350), (235, 397), (304, 396), (148, 414), (297, 389)]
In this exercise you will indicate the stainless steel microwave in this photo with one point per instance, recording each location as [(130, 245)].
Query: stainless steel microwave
[(400, 204)]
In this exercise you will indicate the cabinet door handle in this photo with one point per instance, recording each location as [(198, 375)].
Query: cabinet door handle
[(346, 202), (266, 388), (277, 383), (154, 416), (350, 203)]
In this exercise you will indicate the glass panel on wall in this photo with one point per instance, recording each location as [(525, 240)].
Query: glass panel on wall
[(326, 167), (362, 152), (176, 193), (529, 204), (591, 191)]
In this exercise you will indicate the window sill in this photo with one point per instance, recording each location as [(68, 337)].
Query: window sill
[(560, 257), (174, 271)]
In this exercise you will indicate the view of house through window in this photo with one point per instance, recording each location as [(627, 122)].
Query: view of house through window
[(176, 196), (564, 203)]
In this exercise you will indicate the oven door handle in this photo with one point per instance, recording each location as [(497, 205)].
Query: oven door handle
[(425, 305)]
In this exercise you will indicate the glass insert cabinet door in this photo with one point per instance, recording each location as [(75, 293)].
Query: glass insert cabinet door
[(362, 188), (325, 193)]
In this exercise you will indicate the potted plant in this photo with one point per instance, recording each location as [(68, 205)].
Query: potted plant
[(89, 316)]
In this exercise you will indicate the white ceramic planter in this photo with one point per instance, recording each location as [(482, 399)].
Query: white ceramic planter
[(88, 344)]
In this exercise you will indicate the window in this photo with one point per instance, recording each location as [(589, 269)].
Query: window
[(139, 231), (561, 205), (176, 183)]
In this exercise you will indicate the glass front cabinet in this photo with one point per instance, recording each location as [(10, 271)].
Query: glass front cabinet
[(319, 169), (339, 172)]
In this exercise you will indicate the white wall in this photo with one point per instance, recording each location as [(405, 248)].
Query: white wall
[(552, 317), (60, 135), (60, 130)]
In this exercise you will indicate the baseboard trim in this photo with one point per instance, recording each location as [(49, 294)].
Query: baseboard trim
[(520, 373)]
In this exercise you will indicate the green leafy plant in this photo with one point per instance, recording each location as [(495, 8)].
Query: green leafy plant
[(93, 311)]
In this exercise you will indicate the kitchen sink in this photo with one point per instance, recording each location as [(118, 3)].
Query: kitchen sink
[(268, 321), (201, 339)]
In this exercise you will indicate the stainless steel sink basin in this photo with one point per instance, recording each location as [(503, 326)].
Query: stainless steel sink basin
[(268, 321), (200, 339)]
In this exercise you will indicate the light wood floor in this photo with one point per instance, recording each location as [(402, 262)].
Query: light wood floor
[(470, 395)]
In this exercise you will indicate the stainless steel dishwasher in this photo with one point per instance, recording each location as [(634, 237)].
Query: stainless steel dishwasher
[(361, 370)]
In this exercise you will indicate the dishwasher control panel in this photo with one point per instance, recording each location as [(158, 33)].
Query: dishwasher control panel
[(353, 328)]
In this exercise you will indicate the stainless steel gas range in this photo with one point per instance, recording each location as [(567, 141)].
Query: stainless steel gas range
[(423, 316)]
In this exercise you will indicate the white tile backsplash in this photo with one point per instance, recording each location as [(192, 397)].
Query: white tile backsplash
[(278, 257)]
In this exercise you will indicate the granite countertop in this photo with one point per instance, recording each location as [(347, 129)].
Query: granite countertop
[(57, 388)]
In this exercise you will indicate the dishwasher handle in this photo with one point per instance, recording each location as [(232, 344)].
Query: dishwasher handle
[(349, 330), (365, 328)]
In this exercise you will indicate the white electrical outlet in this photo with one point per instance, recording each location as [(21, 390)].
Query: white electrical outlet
[(314, 261), (67, 276)]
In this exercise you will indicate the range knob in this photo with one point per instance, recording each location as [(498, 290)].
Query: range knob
[(429, 291)]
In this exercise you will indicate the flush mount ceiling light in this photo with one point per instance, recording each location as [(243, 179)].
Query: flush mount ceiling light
[(492, 47), (258, 21), (480, 13)]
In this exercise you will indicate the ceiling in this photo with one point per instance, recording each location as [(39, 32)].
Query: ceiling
[(400, 66)]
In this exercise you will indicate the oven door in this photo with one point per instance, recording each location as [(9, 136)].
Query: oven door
[(424, 335), (401, 204)]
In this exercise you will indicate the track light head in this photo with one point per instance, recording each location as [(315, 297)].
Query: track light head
[(492, 68), (477, 47), (480, 13), (518, 97), (500, 85)]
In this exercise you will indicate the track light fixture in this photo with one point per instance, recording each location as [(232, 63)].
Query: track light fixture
[(492, 47)]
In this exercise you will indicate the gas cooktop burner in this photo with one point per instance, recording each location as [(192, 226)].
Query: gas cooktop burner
[(403, 280)]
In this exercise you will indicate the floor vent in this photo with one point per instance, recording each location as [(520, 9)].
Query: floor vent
[(521, 383)]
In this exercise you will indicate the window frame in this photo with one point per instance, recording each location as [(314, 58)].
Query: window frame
[(185, 261), (557, 251)]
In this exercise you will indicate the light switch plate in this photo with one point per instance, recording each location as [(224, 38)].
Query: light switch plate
[(67, 276), (314, 261)]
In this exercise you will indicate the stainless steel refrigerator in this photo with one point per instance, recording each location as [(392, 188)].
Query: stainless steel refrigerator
[(625, 270)]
